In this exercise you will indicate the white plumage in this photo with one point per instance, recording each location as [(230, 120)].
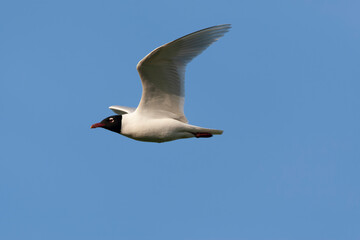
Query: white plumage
[(160, 116)]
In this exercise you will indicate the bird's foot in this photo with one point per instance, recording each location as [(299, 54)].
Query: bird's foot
[(202, 135)]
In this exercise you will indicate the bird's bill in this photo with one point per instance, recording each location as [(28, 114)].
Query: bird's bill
[(96, 125)]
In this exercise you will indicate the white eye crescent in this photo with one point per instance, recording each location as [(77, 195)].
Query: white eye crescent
[(111, 120)]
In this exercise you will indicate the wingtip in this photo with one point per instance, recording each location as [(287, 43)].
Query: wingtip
[(226, 26), (220, 30)]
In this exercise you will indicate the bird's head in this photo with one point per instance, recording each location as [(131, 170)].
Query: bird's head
[(112, 123)]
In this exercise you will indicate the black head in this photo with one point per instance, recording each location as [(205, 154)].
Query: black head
[(112, 123)]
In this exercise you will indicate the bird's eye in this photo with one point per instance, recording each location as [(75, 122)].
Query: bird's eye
[(111, 120)]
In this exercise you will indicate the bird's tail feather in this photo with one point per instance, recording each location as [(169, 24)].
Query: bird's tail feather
[(213, 131), (207, 130)]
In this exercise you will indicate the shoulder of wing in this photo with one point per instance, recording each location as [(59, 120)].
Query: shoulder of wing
[(148, 59)]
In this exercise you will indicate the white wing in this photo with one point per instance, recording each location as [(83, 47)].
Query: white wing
[(162, 72), (121, 110)]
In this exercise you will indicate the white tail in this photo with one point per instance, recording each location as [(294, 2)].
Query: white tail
[(207, 130), (212, 131)]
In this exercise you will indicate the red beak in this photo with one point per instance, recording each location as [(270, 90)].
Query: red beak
[(96, 125)]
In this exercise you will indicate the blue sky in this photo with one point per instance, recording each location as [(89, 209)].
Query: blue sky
[(283, 84)]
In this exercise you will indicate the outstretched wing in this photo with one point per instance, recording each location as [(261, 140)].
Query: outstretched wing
[(162, 72)]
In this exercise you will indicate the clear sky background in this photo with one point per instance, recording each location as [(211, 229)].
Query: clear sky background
[(283, 84)]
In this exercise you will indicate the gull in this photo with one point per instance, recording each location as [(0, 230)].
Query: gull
[(160, 116)]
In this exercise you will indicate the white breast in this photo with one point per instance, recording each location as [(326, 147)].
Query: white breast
[(148, 129)]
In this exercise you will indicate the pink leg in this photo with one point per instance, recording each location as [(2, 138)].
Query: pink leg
[(203, 135)]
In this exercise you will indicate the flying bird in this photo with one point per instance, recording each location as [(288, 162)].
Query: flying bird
[(160, 116)]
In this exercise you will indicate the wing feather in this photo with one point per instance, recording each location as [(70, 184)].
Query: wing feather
[(162, 72), (121, 110)]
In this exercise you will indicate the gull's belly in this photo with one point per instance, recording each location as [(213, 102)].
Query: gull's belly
[(155, 130)]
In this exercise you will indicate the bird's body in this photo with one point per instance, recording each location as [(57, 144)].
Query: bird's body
[(160, 115), (152, 129)]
